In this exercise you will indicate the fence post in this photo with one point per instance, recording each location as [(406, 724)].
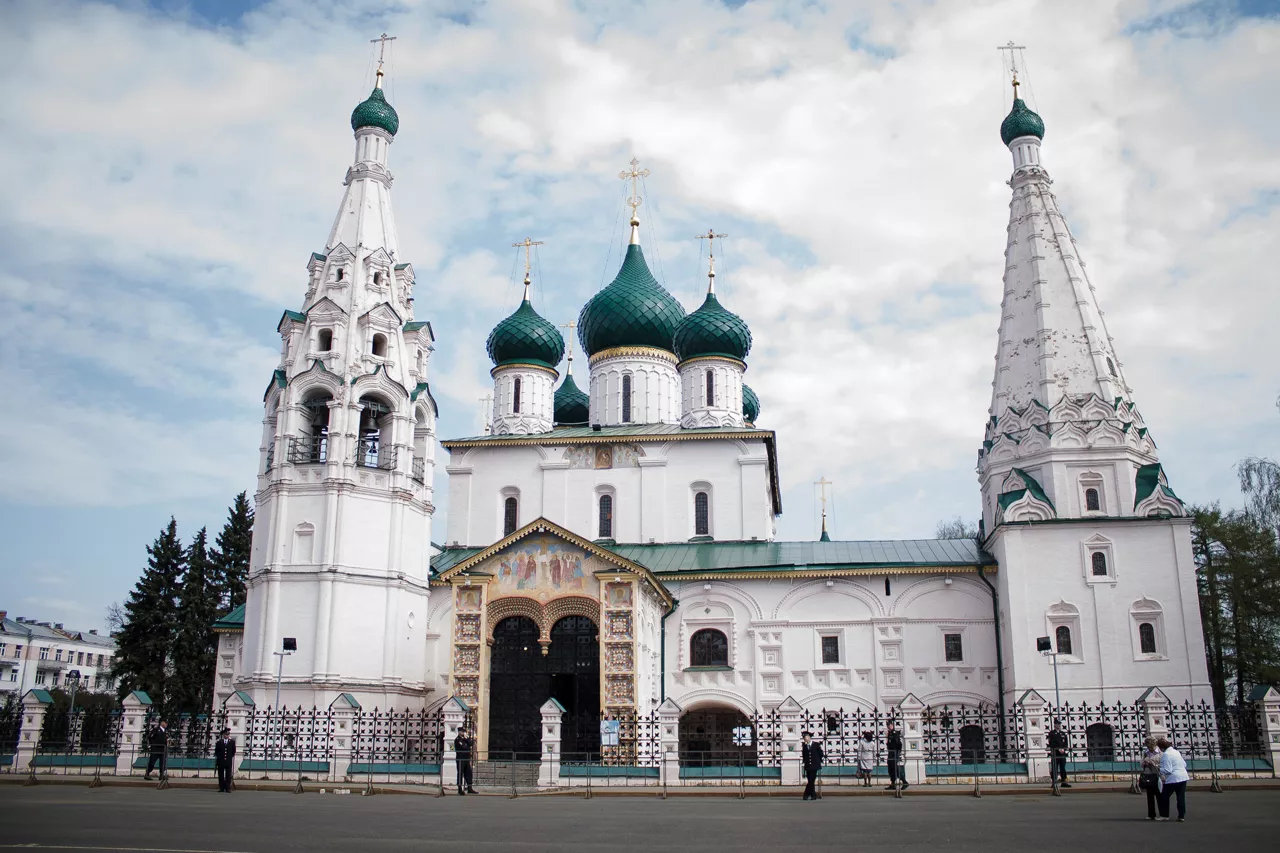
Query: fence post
[(1155, 712), (1267, 700), (35, 704), (552, 719), (240, 710), (1036, 713), (790, 717), (669, 743), (454, 717), (133, 731), (343, 712), (912, 710)]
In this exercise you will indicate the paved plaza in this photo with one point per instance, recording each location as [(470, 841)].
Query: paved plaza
[(136, 819)]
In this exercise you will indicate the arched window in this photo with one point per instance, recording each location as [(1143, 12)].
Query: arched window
[(510, 515), (626, 399), (1063, 636), (325, 340), (1099, 561), (341, 273), (606, 517), (711, 388), (515, 395), (1100, 742), (709, 647), (701, 514), (380, 344), (377, 278), (1091, 502), (1147, 638), (313, 445), (372, 451)]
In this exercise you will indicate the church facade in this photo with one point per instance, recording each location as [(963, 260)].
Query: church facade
[(612, 546)]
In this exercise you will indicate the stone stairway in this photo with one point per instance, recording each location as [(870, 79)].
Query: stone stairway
[(500, 774)]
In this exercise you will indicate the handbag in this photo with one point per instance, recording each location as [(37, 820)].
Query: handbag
[(1149, 782)]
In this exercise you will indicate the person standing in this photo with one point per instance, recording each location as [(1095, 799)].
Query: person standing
[(463, 746), (224, 756), (1173, 780), (1149, 780), (1058, 754), (811, 763), (897, 767), (158, 747), (866, 758)]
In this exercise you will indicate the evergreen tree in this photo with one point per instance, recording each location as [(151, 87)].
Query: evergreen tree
[(195, 645), (144, 644), (230, 555)]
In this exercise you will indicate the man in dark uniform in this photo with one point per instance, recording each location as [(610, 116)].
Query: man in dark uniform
[(811, 763), (158, 746), (224, 756), (897, 768), (1058, 754), (462, 748)]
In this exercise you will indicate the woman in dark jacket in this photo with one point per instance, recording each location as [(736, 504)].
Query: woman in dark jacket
[(1149, 781)]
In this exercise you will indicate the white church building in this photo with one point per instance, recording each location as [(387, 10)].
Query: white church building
[(613, 546)]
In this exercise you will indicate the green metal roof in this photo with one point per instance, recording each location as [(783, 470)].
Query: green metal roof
[(572, 405), (1021, 121), (633, 310), (233, 621), (525, 336), (712, 330), (40, 695), (750, 404), (1149, 478), (374, 111), (763, 556)]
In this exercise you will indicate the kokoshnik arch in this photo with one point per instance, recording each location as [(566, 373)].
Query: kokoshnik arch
[(612, 546)]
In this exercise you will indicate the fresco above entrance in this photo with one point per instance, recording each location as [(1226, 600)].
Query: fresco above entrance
[(544, 563)]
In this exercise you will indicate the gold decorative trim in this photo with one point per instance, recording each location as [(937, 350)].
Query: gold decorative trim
[(522, 365), (550, 438), (726, 359), (807, 574), (620, 352)]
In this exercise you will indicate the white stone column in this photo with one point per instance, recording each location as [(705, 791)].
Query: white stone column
[(35, 704), (454, 716), (1268, 700), (669, 741), (133, 731), (343, 711), (912, 710), (552, 719), (1035, 711), (790, 714)]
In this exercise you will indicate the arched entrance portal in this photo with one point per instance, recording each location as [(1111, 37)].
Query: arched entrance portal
[(717, 737), (522, 678)]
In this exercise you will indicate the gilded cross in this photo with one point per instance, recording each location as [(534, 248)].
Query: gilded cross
[(634, 174), (1013, 62), (711, 236), (822, 484), (528, 245), (571, 325), (381, 42)]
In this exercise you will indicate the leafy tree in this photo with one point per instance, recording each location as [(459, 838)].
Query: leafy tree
[(1260, 482), (230, 555), (195, 644), (144, 642), (956, 528), (1238, 572)]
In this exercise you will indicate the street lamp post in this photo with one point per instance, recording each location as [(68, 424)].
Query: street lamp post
[(74, 678), (288, 647)]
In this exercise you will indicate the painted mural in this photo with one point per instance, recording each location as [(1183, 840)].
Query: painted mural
[(543, 563)]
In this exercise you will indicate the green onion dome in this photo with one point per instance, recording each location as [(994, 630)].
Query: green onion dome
[(526, 337), (1021, 121), (572, 405), (712, 330), (374, 111), (750, 404), (634, 310)]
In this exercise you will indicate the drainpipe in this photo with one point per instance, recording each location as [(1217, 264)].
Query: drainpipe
[(995, 611), (662, 644)]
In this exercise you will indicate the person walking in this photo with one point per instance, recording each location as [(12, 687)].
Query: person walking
[(811, 763), (1173, 780), (866, 758), (897, 767), (1058, 753), (463, 746), (158, 747), (224, 756), (1149, 778)]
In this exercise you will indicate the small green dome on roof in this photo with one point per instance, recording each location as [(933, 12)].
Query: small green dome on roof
[(1021, 121), (712, 330), (750, 404), (526, 337), (572, 405), (374, 111), (633, 310)]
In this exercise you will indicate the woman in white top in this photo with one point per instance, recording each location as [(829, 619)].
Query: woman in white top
[(866, 758), (1173, 780)]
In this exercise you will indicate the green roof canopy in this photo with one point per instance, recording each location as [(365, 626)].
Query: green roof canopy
[(526, 337), (572, 405), (750, 404), (712, 330), (1021, 121), (374, 111), (633, 310)]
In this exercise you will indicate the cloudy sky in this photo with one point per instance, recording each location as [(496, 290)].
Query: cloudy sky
[(173, 164)]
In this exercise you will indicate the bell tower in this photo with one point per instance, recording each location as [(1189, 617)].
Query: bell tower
[(341, 549)]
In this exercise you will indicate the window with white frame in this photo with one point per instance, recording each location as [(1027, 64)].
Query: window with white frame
[(1147, 629), (1064, 628), (953, 647), (604, 519), (1098, 557), (830, 646), (1092, 494)]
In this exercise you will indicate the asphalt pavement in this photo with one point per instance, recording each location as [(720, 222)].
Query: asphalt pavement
[(64, 817)]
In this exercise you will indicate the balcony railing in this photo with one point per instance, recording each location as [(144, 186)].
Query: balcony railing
[(371, 453), (309, 449), (420, 470)]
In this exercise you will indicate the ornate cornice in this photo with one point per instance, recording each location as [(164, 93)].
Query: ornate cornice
[(632, 352), (550, 438), (722, 358), (524, 365)]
